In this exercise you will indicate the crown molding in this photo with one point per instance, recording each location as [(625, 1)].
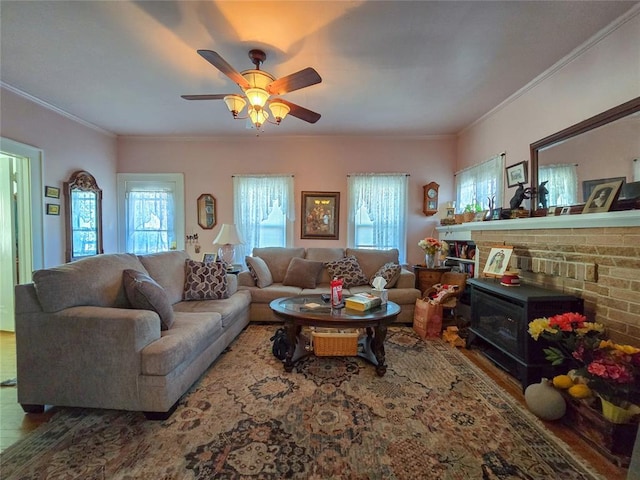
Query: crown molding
[(560, 64), (55, 109)]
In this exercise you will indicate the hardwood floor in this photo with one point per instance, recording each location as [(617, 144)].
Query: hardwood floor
[(15, 424)]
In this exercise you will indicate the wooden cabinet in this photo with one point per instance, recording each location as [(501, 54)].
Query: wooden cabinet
[(427, 277)]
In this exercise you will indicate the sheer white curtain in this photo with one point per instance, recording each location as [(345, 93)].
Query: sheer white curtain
[(264, 211), (562, 183), (475, 185), (377, 211), (150, 219)]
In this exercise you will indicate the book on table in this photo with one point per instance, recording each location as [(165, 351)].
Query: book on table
[(362, 301)]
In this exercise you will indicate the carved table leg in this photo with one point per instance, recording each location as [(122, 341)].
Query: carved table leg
[(378, 348), (292, 336)]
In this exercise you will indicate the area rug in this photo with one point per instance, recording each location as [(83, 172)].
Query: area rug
[(434, 415)]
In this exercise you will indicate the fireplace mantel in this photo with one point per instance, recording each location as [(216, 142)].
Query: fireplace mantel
[(628, 218)]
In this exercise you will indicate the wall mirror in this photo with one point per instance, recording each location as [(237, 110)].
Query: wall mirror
[(598, 150), (207, 211), (83, 216)]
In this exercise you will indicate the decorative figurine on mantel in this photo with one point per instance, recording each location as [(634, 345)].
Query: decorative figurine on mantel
[(520, 195), (542, 194)]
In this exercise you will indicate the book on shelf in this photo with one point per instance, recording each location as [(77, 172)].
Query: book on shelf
[(362, 301)]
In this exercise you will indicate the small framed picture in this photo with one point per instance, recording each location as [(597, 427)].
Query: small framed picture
[(53, 209), (497, 261), (495, 213), (517, 173), (52, 192), (451, 212), (209, 257), (565, 211), (602, 197)]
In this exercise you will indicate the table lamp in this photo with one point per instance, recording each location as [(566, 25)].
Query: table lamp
[(228, 238)]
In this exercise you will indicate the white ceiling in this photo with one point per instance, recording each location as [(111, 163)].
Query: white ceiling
[(388, 67)]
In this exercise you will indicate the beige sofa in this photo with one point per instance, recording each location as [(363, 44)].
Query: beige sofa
[(80, 343), (279, 260)]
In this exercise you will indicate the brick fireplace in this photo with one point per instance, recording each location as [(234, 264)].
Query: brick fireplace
[(594, 256)]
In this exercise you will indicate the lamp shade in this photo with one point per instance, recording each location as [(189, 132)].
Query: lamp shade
[(257, 96), (228, 235), (235, 104), (258, 117), (279, 110)]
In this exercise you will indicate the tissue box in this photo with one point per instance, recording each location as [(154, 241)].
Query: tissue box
[(383, 294)]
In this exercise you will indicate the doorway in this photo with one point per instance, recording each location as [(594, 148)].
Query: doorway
[(21, 227)]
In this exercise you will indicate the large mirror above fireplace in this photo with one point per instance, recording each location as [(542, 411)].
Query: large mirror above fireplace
[(598, 150)]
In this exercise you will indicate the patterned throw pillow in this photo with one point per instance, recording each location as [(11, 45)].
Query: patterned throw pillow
[(390, 272), (144, 293), (205, 281), (348, 269)]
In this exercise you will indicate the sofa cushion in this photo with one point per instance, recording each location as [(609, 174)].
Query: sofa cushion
[(94, 281), (278, 259), (259, 271), (371, 260), (390, 272), (144, 293), (324, 254), (205, 281), (348, 269), (302, 273), (167, 268)]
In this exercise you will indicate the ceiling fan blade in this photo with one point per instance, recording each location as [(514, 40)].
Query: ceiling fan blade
[(221, 64), (213, 96), (300, 112), (295, 81)]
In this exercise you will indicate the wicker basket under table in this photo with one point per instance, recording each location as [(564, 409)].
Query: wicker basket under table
[(335, 343)]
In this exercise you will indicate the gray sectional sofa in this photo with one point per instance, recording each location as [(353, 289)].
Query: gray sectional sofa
[(115, 331), (80, 343), (282, 284)]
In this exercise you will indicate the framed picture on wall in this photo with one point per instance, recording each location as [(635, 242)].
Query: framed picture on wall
[(320, 215), (517, 173), (51, 192)]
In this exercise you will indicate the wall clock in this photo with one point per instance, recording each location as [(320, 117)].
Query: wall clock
[(430, 199)]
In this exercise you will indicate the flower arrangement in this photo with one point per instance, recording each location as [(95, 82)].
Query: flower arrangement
[(610, 370), (432, 246)]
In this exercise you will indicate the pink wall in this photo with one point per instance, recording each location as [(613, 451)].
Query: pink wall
[(67, 146), (605, 75), (318, 163)]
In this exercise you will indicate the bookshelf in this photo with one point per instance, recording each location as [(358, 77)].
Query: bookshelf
[(462, 256)]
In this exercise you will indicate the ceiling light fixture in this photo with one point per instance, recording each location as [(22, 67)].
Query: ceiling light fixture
[(257, 96)]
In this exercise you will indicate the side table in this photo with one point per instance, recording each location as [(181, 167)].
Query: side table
[(428, 277)]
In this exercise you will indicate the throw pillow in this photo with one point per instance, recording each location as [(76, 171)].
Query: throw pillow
[(205, 281), (348, 269), (302, 273), (390, 272), (144, 293), (259, 271)]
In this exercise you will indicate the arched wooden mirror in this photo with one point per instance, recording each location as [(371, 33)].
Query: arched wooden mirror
[(207, 211), (83, 216)]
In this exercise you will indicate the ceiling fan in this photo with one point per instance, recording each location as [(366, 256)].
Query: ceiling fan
[(258, 87)]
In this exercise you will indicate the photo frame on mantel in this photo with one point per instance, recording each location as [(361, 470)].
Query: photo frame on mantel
[(517, 173)]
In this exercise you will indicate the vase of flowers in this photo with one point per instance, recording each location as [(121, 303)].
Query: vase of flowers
[(433, 248), (611, 370)]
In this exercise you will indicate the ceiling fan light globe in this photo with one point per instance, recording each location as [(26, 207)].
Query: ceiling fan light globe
[(257, 97), (235, 104), (258, 116), (279, 111)]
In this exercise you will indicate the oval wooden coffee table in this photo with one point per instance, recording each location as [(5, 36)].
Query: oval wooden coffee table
[(296, 313)]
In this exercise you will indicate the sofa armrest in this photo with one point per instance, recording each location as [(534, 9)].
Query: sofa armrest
[(232, 283), (406, 280), (88, 353)]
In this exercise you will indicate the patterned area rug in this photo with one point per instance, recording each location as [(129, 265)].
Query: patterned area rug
[(434, 415)]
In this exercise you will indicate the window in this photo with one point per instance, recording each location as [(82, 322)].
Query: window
[(263, 211), (150, 212), (477, 184), (377, 211), (562, 183)]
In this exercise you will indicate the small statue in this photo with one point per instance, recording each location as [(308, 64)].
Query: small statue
[(520, 195), (492, 205), (542, 194)]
